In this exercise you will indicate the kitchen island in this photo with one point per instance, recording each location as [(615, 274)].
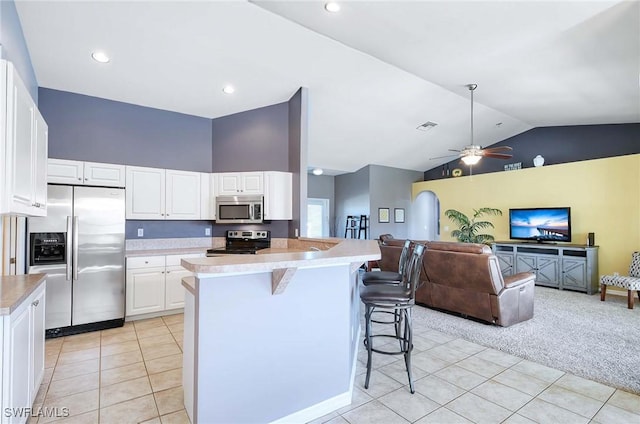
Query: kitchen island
[(273, 337)]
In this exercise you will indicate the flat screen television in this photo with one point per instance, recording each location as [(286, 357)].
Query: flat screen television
[(540, 224)]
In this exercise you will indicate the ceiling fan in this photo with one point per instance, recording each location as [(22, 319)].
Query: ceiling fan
[(472, 153)]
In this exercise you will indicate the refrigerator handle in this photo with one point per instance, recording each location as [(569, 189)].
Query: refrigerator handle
[(69, 249), (75, 247)]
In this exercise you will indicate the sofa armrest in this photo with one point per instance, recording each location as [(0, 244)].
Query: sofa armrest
[(518, 279)]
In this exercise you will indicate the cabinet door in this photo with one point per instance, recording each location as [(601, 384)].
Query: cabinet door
[(104, 174), (278, 201), (547, 272), (63, 171), (525, 263), (18, 380), (183, 195), (505, 261), (252, 183), (40, 165), (37, 320), (229, 184), (145, 192), (174, 295), (145, 290), (207, 196), (574, 274)]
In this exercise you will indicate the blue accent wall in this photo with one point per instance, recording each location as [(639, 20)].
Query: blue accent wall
[(557, 145), (14, 46)]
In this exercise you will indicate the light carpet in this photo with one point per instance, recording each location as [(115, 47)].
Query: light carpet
[(571, 332)]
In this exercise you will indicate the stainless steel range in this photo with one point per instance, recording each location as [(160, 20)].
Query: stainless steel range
[(243, 243)]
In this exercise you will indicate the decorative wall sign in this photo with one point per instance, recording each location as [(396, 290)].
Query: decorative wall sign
[(398, 215), (457, 172), (513, 166), (383, 214)]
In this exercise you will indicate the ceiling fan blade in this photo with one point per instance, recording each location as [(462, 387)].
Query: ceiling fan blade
[(497, 155), (445, 156), (497, 149), (454, 150)]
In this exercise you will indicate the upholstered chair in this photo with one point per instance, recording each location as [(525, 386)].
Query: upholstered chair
[(630, 282)]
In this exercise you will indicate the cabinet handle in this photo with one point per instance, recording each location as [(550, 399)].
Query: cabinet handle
[(167, 214), (79, 178), (168, 272), (86, 179), (162, 272), (36, 303)]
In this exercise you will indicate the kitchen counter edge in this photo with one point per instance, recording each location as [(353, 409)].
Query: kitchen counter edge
[(15, 289)]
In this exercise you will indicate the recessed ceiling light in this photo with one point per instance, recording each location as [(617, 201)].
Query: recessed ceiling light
[(101, 57), (317, 171), (228, 89), (332, 7)]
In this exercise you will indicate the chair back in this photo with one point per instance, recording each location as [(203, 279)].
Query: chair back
[(411, 277), (634, 268), (404, 257)]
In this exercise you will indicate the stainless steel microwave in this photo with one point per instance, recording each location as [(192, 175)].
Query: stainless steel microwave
[(239, 209)]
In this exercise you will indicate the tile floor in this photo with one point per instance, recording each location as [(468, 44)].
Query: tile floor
[(133, 374)]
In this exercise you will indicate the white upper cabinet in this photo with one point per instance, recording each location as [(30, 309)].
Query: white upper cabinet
[(208, 186), (23, 148), (278, 199), (243, 183), (154, 193), (63, 171)]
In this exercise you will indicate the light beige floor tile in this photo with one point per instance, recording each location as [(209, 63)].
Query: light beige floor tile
[(438, 336), (477, 409), (126, 328), (626, 400), (53, 345), (505, 396), (109, 339), (176, 328), (152, 332), (337, 420), (69, 386), (166, 380), (398, 372), (378, 359), (148, 323), (178, 336), (448, 353), (181, 345), (77, 404), (523, 382), (120, 392), (114, 349), (544, 412), (78, 356), (179, 417), (120, 360), (131, 411), (173, 319), (437, 389), (373, 412), (358, 397), (50, 360), (428, 362), (443, 416), (92, 336), (164, 363), (48, 374), (574, 402), (498, 357), (465, 346), (75, 369), (170, 400), (158, 351), (156, 340), (379, 384), (42, 391), (610, 414), (538, 371), (120, 374), (410, 406), (480, 366), (361, 367), (518, 419), (80, 345), (326, 418), (586, 387), (421, 344), (155, 420), (461, 377), (90, 417)]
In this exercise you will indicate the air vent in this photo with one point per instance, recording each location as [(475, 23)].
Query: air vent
[(426, 126)]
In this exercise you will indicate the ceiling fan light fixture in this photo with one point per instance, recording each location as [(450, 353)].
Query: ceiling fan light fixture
[(332, 7), (471, 159), (100, 56)]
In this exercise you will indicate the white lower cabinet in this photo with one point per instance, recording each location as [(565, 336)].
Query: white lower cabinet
[(154, 283), (22, 341)]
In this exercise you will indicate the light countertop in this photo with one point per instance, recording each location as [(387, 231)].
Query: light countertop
[(162, 252), (14, 289)]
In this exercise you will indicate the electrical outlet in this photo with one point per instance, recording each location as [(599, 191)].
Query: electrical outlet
[(295, 232), (207, 231), (140, 232)]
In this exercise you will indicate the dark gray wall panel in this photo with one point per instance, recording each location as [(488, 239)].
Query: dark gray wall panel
[(184, 229), (352, 197), (297, 146), (256, 140), (93, 129), (14, 46), (557, 145)]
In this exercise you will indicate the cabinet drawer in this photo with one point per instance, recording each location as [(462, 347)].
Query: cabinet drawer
[(174, 260), (145, 262)]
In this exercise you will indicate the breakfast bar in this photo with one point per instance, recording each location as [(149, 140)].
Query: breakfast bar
[(273, 337)]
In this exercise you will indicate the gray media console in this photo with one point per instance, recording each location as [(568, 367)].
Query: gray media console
[(571, 267)]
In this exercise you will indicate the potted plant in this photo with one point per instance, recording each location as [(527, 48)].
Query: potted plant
[(468, 229)]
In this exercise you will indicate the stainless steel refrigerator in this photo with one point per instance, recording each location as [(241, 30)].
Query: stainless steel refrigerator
[(80, 246)]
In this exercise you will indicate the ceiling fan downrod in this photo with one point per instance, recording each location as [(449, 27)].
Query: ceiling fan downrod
[(471, 88)]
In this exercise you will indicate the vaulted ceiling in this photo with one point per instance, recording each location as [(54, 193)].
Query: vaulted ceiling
[(375, 70)]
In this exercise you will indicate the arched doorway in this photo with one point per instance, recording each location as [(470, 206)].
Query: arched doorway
[(425, 217)]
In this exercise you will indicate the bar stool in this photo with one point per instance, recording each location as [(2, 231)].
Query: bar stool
[(399, 300), (389, 277)]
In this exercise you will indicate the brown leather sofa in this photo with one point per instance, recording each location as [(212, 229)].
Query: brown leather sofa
[(465, 278)]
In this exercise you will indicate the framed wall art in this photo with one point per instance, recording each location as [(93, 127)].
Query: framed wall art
[(383, 214)]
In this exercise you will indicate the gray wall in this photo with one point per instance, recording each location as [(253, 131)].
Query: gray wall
[(298, 142), (14, 46), (391, 188), (323, 187), (352, 197)]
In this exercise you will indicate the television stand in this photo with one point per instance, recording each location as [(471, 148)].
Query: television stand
[(567, 266)]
